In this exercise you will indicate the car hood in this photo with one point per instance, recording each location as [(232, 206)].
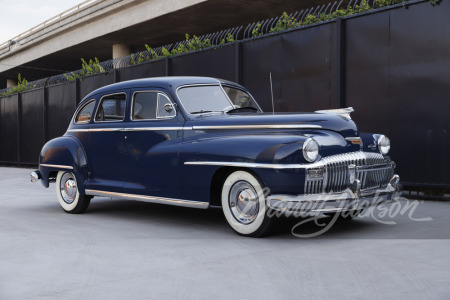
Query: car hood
[(327, 121)]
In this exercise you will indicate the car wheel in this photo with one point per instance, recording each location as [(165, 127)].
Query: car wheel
[(68, 194), (244, 204)]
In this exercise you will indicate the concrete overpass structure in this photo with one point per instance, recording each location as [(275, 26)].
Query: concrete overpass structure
[(115, 28)]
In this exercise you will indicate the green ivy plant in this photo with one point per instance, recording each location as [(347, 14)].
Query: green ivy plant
[(87, 68), (286, 22), (22, 86)]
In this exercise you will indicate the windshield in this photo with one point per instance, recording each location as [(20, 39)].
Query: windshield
[(212, 98)]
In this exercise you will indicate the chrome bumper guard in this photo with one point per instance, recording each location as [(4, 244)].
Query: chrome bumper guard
[(35, 176), (352, 198)]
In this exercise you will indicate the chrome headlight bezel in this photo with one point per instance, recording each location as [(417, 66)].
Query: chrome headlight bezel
[(384, 144), (310, 150)]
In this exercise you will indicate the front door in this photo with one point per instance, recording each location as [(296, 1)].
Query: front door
[(152, 139)]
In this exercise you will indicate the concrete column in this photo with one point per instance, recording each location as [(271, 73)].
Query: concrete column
[(120, 50), (11, 82)]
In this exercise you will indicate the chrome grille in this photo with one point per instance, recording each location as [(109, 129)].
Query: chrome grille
[(336, 173)]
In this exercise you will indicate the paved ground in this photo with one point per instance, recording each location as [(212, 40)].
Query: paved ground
[(135, 250)]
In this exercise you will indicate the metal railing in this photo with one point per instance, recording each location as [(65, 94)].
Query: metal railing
[(64, 14)]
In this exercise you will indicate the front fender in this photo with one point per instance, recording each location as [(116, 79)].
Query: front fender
[(243, 148), (63, 153), (255, 148)]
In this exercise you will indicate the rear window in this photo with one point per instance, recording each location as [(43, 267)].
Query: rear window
[(84, 116)]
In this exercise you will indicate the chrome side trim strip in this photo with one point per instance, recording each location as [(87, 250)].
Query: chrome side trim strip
[(286, 126), (95, 130), (151, 199), (152, 128), (57, 166), (255, 165), (319, 164), (268, 126), (130, 129)]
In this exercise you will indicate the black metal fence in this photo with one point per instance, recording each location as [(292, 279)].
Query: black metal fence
[(391, 65)]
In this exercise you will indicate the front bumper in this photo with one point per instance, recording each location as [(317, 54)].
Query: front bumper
[(352, 198)]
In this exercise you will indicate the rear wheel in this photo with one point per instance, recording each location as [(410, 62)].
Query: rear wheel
[(244, 205), (68, 194)]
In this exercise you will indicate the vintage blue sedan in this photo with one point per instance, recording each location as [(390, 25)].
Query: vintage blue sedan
[(202, 142)]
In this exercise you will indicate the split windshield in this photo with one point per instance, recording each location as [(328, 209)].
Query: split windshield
[(214, 98)]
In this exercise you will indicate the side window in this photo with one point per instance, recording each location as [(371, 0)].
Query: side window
[(151, 106), (111, 108), (144, 105), (84, 116), (165, 107)]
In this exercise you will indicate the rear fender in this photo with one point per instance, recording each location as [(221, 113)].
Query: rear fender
[(63, 154)]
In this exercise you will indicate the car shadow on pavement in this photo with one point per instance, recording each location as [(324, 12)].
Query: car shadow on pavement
[(213, 219)]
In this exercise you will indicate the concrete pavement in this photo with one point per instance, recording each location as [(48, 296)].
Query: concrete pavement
[(127, 249)]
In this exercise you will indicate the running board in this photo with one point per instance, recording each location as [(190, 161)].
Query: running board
[(150, 199)]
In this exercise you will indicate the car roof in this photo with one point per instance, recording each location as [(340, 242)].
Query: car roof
[(163, 82)]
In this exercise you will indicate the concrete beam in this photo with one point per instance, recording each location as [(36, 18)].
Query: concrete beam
[(89, 25), (120, 50)]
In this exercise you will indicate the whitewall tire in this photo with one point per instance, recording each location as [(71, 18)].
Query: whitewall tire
[(68, 194), (244, 204)]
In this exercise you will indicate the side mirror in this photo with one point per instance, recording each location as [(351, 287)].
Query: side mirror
[(168, 107)]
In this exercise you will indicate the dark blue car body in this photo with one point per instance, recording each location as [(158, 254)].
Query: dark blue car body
[(183, 160)]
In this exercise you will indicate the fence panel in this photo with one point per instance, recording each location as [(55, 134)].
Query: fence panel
[(9, 129), (32, 127), (91, 83), (219, 63), (419, 92), (300, 63), (152, 69), (61, 105), (367, 71)]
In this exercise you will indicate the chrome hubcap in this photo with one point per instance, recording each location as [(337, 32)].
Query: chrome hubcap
[(68, 188), (243, 200)]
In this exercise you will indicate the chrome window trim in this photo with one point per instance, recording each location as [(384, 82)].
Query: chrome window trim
[(151, 199), (78, 111), (100, 102), (56, 166), (157, 106), (200, 84), (247, 92)]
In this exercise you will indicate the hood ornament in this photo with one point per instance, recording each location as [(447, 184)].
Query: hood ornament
[(343, 112)]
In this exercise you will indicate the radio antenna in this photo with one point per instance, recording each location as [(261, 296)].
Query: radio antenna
[(271, 92)]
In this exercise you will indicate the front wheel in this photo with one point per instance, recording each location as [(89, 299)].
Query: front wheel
[(68, 194), (244, 205)]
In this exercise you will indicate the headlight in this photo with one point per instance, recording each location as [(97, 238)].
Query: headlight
[(310, 150), (384, 144)]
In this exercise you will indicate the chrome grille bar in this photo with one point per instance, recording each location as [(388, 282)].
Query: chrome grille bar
[(336, 172)]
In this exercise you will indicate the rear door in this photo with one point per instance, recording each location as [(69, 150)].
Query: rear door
[(106, 143)]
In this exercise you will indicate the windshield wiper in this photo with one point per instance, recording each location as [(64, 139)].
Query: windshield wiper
[(201, 112), (242, 109)]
